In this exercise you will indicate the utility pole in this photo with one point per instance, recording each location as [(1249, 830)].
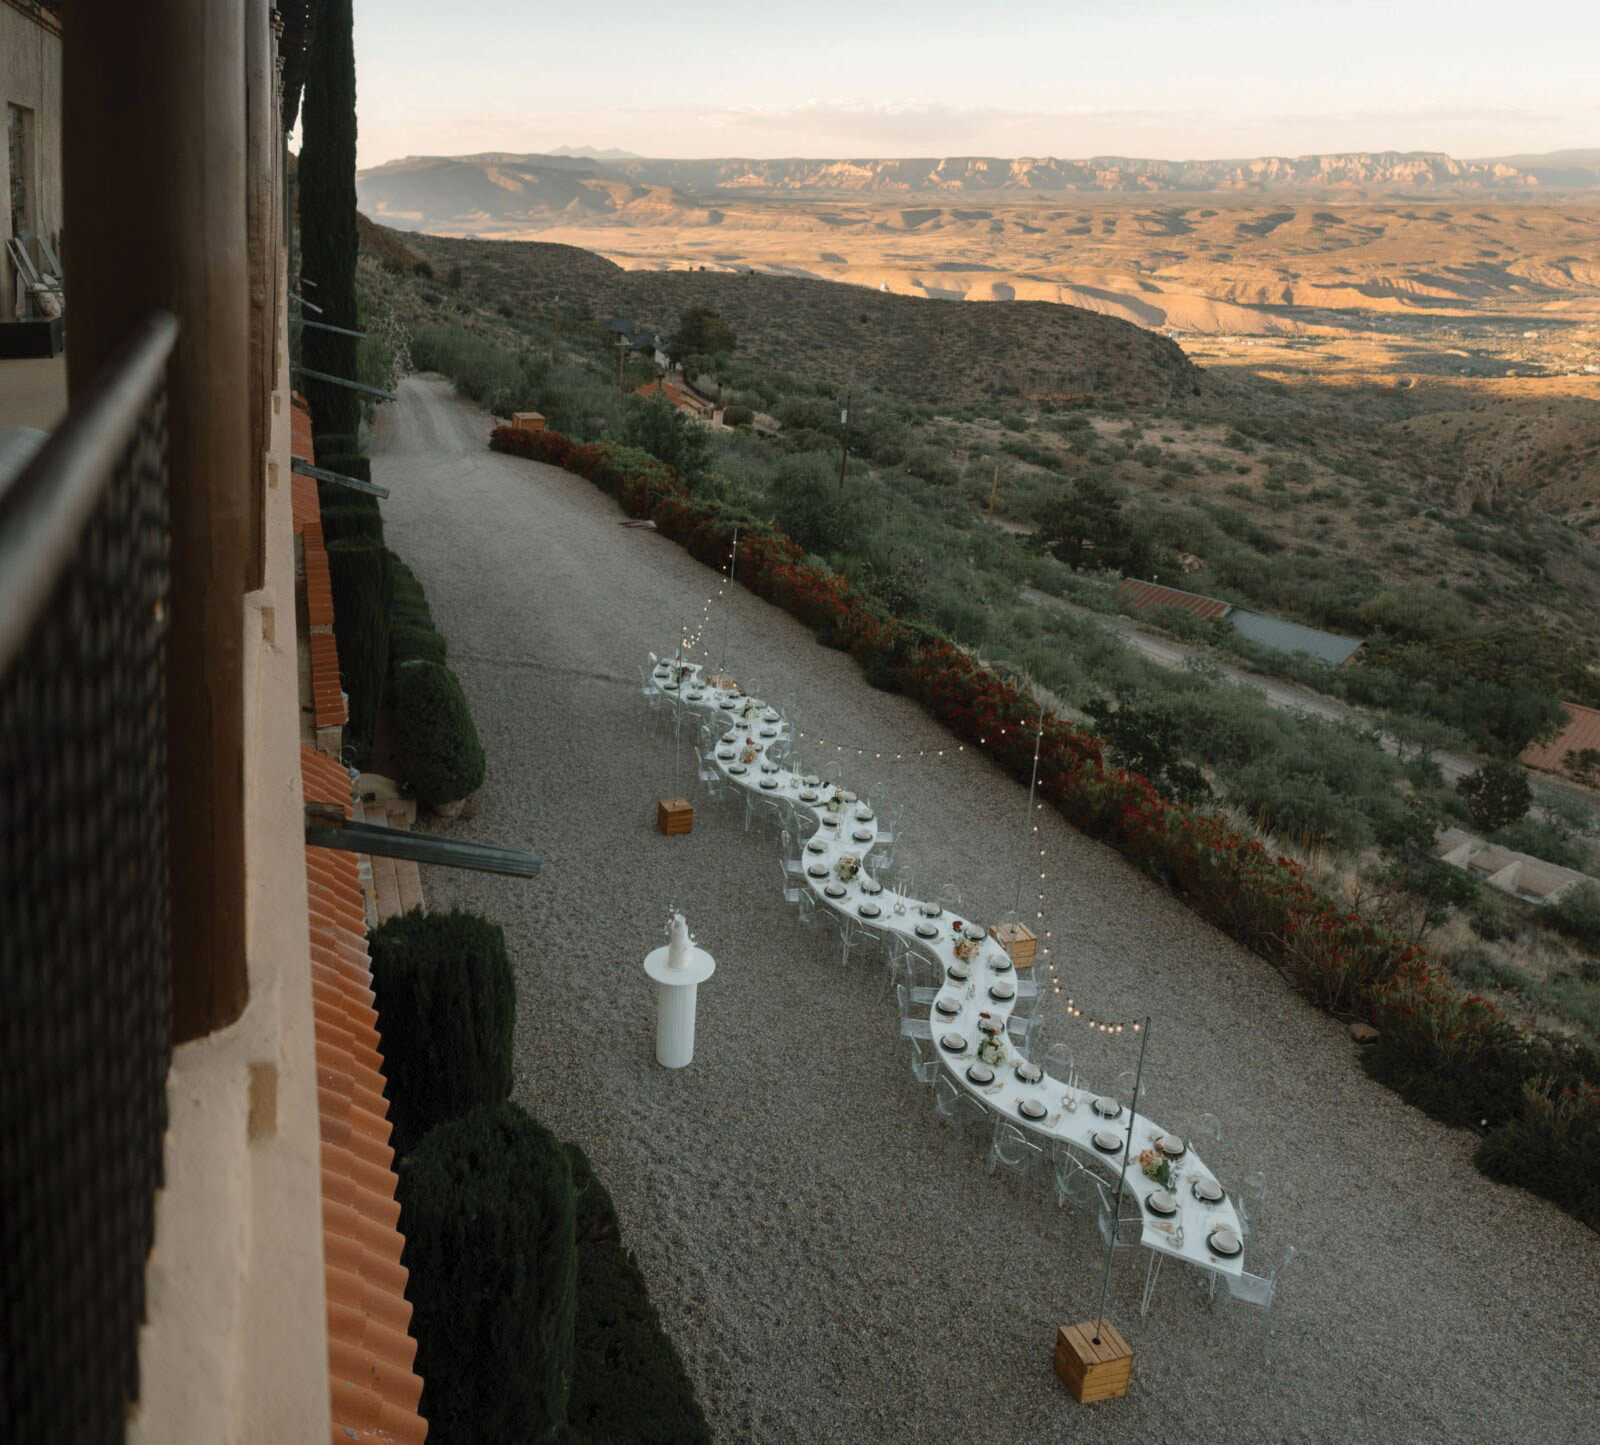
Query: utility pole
[(844, 443)]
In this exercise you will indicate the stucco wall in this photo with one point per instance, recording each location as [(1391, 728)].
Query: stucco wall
[(235, 1348), (30, 75)]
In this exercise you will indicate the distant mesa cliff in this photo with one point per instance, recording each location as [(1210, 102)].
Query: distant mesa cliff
[(497, 191)]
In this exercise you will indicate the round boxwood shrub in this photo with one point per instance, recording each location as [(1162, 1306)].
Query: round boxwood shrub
[(447, 1003), (486, 1207), (347, 521), (409, 643), (438, 743), (628, 1380)]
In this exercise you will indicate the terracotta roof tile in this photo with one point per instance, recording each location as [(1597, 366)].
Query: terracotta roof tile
[(1144, 595), (375, 1388), (1582, 731)]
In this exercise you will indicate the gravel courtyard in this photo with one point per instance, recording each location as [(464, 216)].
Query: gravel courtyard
[(831, 1267)]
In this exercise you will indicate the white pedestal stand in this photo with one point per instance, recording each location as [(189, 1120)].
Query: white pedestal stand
[(676, 989)]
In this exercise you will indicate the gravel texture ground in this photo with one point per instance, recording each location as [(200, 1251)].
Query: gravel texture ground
[(832, 1266)]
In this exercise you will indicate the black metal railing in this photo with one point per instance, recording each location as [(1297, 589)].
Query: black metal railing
[(85, 965)]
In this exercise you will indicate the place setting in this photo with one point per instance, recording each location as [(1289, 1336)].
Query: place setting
[(948, 1007)]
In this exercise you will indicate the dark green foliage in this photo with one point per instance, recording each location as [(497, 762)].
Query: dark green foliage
[(701, 331), (362, 593), (487, 1210), (1498, 793), (1577, 913), (351, 522), (1553, 1152), (628, 1381), (347, 464), (658, 427), (1437, 886), (328, 241), (737, 416), (408, 643), (410, 603), (808, 505), (1084, 526), (1148, 740), (447, 1004), (438, 742)]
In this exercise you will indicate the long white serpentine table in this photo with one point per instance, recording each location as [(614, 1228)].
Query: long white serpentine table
[(750, 726)]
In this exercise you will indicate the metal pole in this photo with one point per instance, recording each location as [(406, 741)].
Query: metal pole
[(1116, 1206), (844, 445), (1033, 784)]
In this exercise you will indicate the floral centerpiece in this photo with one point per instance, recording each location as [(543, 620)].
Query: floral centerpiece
[(847, 867), (992, 1048), (1156, 1168), (835, 804), (751, 752), (750, 705), (966, 948)]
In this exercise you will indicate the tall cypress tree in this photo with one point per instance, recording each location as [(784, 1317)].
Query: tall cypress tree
[(328, 241)]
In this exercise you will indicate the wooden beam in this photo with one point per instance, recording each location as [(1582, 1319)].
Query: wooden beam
[(154, 172)]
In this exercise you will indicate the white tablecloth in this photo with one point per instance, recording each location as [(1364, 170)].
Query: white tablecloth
[(743, 724)]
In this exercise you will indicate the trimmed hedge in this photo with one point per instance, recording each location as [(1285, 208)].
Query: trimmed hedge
[(447, 1004), (1343, 962), (487, 1209), (438, 742), (410, 602), (347, 522), (363, 591), (408, 643), (628, 1380)]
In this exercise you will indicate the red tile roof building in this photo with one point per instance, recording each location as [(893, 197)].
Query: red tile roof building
[(1147, 595), (1582, 731)]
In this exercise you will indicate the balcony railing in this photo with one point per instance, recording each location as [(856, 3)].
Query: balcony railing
[(85, 958)]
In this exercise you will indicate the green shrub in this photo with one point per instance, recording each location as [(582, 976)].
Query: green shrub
[(1577, 913), (487, 1210), (1498, 793), (363, 589), (433, 726), (737, 416), (410, 643), (410, 602), (357, 523), (628, 1380), (447, 1004), (1552, 1149)]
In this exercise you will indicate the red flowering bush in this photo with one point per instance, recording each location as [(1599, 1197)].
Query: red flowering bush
[(1455, 1056)]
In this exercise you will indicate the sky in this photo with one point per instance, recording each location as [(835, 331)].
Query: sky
[(1201, 79)]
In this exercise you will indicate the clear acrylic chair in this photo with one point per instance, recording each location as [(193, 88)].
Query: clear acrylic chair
[(1024, 1023), (1071, 1192), (1014, 1151), (1261, 1290), (1251, 1202), (855, 939), (1125, 1228), (924, 1063), (794, 881), (653, 696), (951, 1103), (1058, 1061), (949, 898), (911, 1026), (708, 778)]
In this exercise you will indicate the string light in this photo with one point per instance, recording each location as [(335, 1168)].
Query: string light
[(1044, 937)]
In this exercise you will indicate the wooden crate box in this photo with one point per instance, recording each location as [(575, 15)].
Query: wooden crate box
[(674, 816), (1093, 1371)]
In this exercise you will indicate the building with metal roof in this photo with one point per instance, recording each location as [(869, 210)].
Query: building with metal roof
[(1292, 637)]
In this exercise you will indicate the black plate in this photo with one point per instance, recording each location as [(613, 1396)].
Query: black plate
[(980, 1074), (952, 1043), (949, 1008), (998, 997), (1211, 1244), (1032, 1109)]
